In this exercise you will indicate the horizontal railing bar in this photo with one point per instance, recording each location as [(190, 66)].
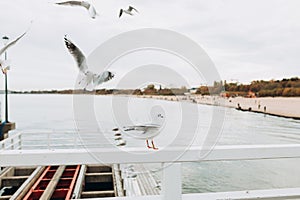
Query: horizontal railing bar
[(9, 145), (285, 193), (142, 155), (59, 139), (13, 137), (61, 132), (62, 145), (65, 142)]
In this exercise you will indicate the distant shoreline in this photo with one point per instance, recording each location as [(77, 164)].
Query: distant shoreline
[(287, 107)]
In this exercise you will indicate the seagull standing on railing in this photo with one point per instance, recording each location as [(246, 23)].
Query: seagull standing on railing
[(89, 77), (146, 131), (91, 9), (128, 11)]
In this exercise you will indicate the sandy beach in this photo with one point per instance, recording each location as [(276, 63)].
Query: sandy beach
[(278, 106)]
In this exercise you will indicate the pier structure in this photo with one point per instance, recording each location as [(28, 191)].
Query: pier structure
[(104, 172), (6, 128), (60, 182)]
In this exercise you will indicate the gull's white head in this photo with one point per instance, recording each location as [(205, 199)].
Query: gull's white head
[(109, 75)]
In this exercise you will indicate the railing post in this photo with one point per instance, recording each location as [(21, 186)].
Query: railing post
[(12, 143), (20, 140), (171, 182)]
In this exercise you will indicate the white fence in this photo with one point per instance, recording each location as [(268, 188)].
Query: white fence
[(68, 150), (52, 140)]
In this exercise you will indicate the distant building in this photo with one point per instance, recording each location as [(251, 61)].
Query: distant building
[(225, 94), (251, 94), (193, 90)]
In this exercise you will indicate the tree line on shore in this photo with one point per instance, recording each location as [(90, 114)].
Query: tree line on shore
[(285, 87), (260, 88), (149, 90)]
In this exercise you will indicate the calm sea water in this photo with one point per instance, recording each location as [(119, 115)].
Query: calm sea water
[(56, 112)]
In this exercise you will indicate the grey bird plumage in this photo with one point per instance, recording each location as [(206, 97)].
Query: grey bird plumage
[(145, 131), (128, 11), (3, 63), (88, 6), (80, 59)]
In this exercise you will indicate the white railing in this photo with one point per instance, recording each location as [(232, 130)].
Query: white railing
[(15, 152), (53, 140), (12, 143)]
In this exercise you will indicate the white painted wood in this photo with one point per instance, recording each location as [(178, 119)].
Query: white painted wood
[(142, 155), (53, 183), (171, 183), (11, 143), (138, 181), (21, 192), (114, 155), (118, 186), (79, 182), (278, 194), (146, 180)]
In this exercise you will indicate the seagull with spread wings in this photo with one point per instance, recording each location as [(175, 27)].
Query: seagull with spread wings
[(91, 9), (128, 11), (89, 77), (4, 64)]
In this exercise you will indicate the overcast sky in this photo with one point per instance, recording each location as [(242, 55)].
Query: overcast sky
[(247, 40)]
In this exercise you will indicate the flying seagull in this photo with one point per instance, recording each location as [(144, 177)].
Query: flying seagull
[(91, 9), (89, 77), (145, 131), (3, 63), (128, 11), (5, 66)]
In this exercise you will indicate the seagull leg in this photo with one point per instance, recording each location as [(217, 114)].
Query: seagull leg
[(87, 84), (149, 147), (153, 146), (81, 81)]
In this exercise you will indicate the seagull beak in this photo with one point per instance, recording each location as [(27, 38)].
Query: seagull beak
[(111, 75)]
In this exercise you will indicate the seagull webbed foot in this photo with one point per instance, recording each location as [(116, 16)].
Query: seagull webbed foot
[(153, 146), (149, 147)]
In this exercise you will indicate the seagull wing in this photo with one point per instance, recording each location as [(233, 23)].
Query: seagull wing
[(136, 128), (87, 80), (4, 63), (90, 8), (121, 12), (77, 54), (69, 3), (11, 44), (103, 77), (132, 8), (92, 11)]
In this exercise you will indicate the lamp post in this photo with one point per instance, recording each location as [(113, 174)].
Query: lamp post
[(5, 39)]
